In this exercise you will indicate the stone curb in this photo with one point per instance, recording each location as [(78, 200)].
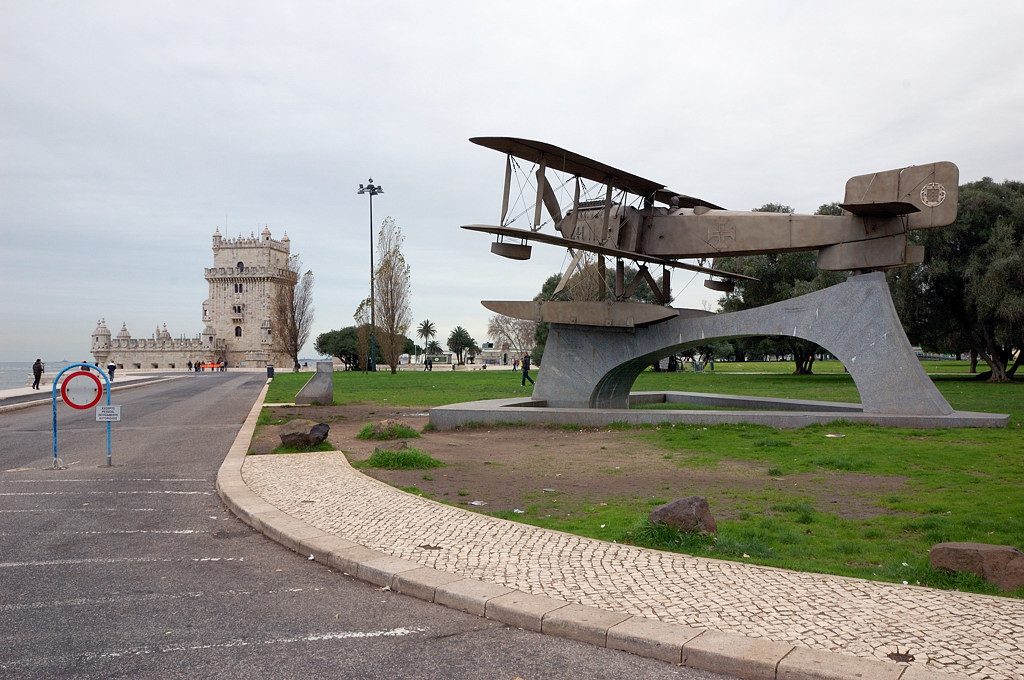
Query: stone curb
[(710, 650)]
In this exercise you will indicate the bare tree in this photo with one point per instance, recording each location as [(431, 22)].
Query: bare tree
[(393, 293), (292, 317), (518, 333)]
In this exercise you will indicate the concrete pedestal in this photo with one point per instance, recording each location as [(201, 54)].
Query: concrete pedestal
[(592, 367), (320, 388)]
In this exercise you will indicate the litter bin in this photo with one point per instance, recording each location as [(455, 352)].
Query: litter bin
[(270, 371)]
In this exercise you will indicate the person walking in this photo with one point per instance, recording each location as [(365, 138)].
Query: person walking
[(37, 373), (526, 370), (110, 370)]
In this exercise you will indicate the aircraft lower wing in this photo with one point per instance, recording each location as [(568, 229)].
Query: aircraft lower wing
[(608, 314), (600, 250)]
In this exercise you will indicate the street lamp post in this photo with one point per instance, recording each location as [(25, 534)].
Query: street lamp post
[(372, 190)]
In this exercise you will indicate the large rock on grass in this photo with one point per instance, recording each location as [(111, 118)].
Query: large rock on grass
[(392, 446), (303, 434), (689, 515), (1001, 565)]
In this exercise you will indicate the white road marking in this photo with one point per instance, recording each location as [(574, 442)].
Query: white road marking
[(146, 650), (83, 510), (179, 532), (115, 560), (105, 493), (102, 479), (84, 601)]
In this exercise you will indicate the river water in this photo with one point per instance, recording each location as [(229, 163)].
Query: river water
[(17, 373)]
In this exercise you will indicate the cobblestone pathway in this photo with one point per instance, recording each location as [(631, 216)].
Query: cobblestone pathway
[(973, 635)]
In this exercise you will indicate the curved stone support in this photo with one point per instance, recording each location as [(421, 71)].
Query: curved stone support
[(592, 367)]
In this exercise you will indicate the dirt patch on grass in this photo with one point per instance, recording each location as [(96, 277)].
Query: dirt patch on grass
[(516, 467)]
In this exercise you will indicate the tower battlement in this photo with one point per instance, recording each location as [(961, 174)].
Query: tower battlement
[(252, 241)]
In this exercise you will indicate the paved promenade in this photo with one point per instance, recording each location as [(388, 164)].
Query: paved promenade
[(745, 620)]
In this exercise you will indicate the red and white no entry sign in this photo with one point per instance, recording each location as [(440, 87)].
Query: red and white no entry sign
[(81, 390)]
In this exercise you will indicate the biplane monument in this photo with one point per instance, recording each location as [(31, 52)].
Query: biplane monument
[(596, 348)]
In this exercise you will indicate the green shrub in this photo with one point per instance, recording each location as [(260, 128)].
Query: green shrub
[(663, 537), (402, 459), (386, 431)]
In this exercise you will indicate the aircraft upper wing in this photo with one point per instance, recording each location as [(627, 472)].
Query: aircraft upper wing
[(559, 159), (550, 239)]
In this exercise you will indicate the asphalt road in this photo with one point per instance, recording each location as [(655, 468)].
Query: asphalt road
[(137, 570)]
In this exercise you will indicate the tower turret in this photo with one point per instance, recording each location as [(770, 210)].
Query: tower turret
[(101, 342)]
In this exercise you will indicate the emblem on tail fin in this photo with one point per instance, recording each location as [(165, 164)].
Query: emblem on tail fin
[(933, 194)]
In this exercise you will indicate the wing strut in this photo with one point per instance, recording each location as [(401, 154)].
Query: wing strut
[(575, 209), (607, 215), (568, 272), (541, 181), (508, 186), (547, 194)]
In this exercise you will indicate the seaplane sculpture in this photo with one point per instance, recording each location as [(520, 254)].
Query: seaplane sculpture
[(632, 219)]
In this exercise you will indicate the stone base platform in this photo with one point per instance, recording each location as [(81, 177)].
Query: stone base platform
[(712, 409)]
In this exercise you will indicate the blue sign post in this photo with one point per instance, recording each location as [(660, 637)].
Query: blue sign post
[(80, 390)]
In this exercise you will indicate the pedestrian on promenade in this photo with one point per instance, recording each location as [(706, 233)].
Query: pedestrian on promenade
[(526, 370), (37, 373), (110, 370)]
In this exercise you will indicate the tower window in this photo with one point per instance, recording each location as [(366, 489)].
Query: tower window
[(240, 266), (238, 288), (238, 331)]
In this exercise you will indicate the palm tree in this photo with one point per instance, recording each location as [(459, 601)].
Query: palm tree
[(459, 340), (433, 347), (426, 331)]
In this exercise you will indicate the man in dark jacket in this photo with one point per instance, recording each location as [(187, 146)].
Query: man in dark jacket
[(526, 370), (37, 373)]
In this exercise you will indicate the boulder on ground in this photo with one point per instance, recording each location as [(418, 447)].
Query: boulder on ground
[(384, 429), (1001, 565), (685, 514), (394, 445), (302, 433)]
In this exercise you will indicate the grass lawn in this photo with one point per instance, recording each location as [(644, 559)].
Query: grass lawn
[(953, 484)]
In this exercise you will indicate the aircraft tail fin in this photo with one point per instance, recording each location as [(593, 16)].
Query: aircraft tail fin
[(926, 194)]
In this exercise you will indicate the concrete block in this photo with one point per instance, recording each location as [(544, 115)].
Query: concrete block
[(736, 655), (294, 536), (259, 518), (348, 560), (468, 595), (651, 638), (381, 572), (421, 583), (320, 387), (279, 526), (521, 610), (816, 664), (579, 622), (321, 547)]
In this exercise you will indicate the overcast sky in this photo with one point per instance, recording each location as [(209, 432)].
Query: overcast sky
[(130, 131)]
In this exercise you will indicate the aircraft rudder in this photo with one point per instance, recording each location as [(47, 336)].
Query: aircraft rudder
[(931, 188)]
